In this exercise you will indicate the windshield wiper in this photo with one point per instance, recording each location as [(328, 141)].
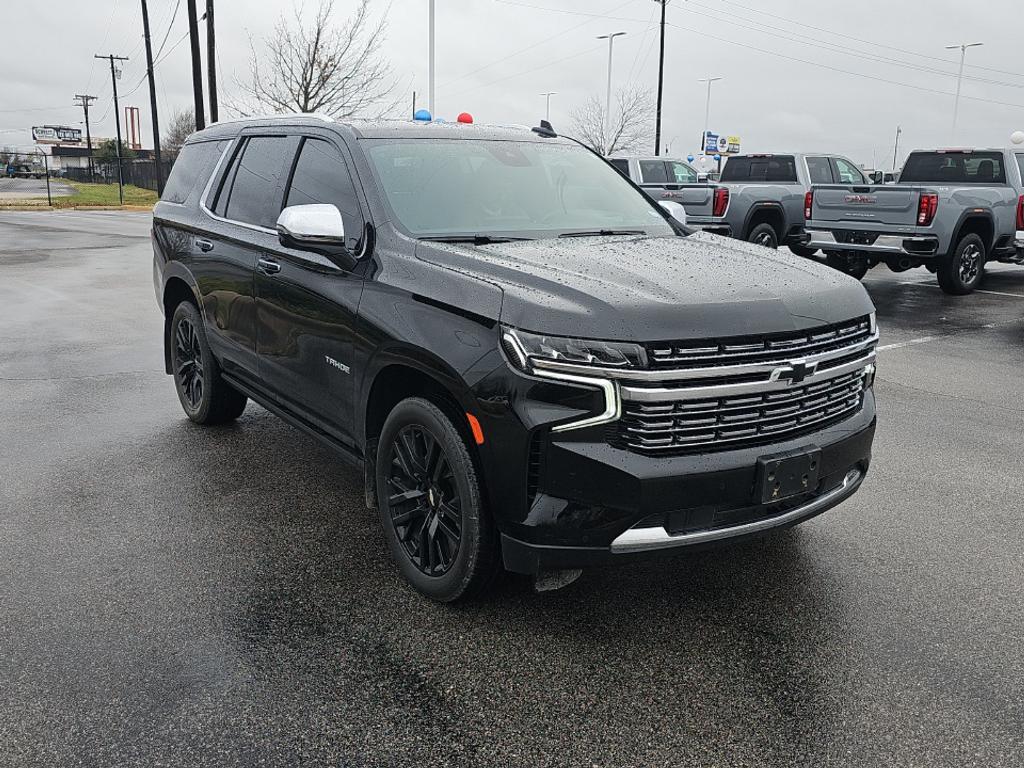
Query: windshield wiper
[(603, 233), (474, 239)]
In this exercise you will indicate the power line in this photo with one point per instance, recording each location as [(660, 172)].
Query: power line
[(527, 71)]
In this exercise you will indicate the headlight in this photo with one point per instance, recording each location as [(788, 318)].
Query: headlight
[(522, 347), (874, 322)]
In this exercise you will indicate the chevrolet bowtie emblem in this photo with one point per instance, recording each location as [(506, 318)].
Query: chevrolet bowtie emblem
[(795, 372)]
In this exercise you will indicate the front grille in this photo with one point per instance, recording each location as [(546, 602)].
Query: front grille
[(779, 347), (854, 237), (682, 426)]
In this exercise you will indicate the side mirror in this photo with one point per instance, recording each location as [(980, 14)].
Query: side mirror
[(317, 228), (675, 210)]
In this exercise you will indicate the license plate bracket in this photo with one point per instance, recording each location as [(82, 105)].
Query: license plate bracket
[(782, 477)]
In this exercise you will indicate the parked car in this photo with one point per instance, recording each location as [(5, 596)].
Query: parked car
[(26, 172), (532, 363), (760, 198), (952, 210), (662, 178)]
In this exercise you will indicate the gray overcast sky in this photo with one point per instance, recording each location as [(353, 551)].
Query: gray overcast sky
[(783, 88)]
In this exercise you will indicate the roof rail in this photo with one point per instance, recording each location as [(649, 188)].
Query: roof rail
[(275, 116)]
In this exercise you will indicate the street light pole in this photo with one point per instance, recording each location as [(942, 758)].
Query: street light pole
[(608, 96), (117, 120), (896, 149), (959, 78), (707, 113), (547, 104), (430, 87), (661, 79)]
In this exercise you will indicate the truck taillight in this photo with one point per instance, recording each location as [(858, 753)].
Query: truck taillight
[(1020, 213), (926, 208), (808, 204), (721, 201)]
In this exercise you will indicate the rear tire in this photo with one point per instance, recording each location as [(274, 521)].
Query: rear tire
[(764, 234), (205, 397), (853, 265), (962, 272), (431, 505)]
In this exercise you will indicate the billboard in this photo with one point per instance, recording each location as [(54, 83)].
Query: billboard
[(715, 144), (56, 134)]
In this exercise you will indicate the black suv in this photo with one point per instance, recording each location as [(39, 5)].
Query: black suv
[(534, 365)]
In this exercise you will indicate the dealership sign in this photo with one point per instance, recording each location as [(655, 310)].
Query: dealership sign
[(56, 134), (715, 144)]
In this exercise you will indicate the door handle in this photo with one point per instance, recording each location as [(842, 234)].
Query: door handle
[(204, 245), (268, 266)]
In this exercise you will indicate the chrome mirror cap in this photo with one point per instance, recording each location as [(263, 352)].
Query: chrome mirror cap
[(675, 210), (318, 224)]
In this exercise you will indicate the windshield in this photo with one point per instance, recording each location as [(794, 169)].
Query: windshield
[(507, 189)]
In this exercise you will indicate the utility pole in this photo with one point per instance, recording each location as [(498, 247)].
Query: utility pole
[(608, 96), (84, 101), (959, 78), (197, 66), (152, 99), (661, 78), (707, 113), (117, 120), (547, 104), (430, 67), (211, 61), (896, 149)]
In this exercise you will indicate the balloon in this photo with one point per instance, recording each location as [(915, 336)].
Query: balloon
[(1017, 137)]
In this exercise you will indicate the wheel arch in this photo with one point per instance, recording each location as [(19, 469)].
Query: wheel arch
[(980, 223), (176, 290), (396, 376), (766, 212)]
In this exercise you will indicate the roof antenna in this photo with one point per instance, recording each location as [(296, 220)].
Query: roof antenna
[(545, 130)]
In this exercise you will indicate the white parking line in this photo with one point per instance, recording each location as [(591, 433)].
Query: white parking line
[(930, 284), (912, 342)]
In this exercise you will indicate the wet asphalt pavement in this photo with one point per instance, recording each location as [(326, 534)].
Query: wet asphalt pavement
[(180, 596)]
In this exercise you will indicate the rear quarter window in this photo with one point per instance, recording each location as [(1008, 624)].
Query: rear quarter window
[(192, 169), (622, 166)]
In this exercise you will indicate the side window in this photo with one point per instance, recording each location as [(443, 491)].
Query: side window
[(820, 170), (848, 173), (322, 176), (622, 166), (680, 173), (257, 180), (653, 172), (192, 167), (1020, 165)]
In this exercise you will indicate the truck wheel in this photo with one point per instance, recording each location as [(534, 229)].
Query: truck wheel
[(430, 504), (204, 395), (962, 272), (803, 252), (852, 264), (764, 234)]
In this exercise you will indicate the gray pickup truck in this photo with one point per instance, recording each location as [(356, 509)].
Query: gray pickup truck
[(668, 180), (760, 198), (951, 211)]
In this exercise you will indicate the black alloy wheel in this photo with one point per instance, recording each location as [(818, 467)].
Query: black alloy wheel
[(188, 363), (424, 500), (764, 235)]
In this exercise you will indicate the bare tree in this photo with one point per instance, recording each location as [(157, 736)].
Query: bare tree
[(181, 125), (320, 66), (628, 129)]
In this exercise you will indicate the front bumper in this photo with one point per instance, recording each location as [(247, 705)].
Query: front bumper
[(914, 246), (601, 505)]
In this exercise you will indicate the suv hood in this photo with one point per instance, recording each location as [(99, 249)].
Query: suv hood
[(656, 288)]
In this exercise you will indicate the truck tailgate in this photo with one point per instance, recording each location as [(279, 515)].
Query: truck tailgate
[(891, 204)]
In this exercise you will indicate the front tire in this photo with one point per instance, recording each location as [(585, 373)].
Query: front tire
[(764, 234), (205, 397), (431, 506), (962, 272)]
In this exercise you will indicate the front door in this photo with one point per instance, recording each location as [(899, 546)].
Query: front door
[(307, 303)]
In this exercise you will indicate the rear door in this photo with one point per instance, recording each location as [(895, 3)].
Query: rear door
[(244, 206), (307, 302)]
